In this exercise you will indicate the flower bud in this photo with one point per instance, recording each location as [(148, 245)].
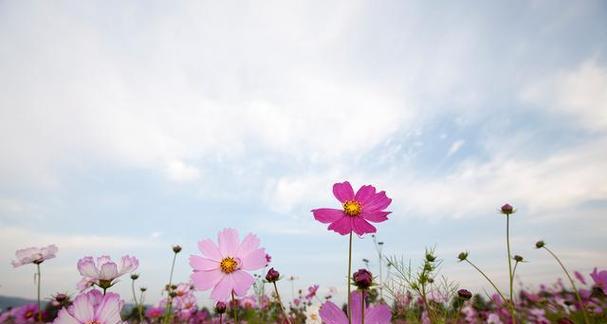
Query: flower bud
[(143, 289), (220, 307), (463, 256), (430, 257), (272, 275), (464, 294), (518, 258), (507, 209), (176, 248), (363, 279), (134, 276), (173, 294), (539, 244)]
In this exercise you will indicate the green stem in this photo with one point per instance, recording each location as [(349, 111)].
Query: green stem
[(425, 300), (510, 273), (134, 294), (577, 294), (234, 307), (491, 282), (349, 275), (167, 310), (39, 301), (282, 308), (362, 309), (140, 307), (514, 270)]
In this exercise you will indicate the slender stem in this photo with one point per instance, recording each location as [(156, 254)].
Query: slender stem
[(234, 307), (425, 300), (381, 280), (282, 308), (39, 301), (491, 282), (104, 289), (577, 294), (510, 273), (349, 275), (220, 318), (514, 270), (167, 310), (362, 309), (134, 294), (140, 307)]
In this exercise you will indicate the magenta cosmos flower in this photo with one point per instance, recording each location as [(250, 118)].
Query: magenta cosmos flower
[(600, 279), (104, 271), (34, 255), (378, 314), (223, 267), (92, 307), (357, 210)]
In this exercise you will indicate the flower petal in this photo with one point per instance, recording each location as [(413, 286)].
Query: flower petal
[(375, 216), (254, 260), (109, 271), (109, 309), (328, 215), (361, 226), (82, 310), (248, 245), (209, 250), (87, 267), (364, 194), (331, 314), (65, 318), (379, 314), (343, 191), (242, 282), (343, 226), (356, 307), (228, 242), (379, 202), (204, 280), (199, 263), (223, 289)]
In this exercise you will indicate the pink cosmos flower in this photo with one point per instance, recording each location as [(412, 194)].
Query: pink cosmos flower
[(248, 302), (600, 279), (312, 292), (92, 307), (357, 209), (224, 267), (378, 314), (34, 255), (105, 271), (26, 314), (154, 312)]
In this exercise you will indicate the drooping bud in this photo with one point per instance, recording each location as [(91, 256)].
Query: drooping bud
[(463, 256), (363, 279), (272, 275), (176, 248), (539, 244), (134, 276), (518, 258), (464, 294), (143, 289), (220, 307)]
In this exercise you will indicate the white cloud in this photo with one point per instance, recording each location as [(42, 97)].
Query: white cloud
[(455, 146), (580, 93), (181, 172)]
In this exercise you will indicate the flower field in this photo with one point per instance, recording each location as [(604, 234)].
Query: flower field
[(238, 272)]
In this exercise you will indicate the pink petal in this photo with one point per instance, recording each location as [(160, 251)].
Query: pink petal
[(223, 289), (109, 310), (65, 318), (343, 191), (364, 194), (200, 263), (242, 282), (87, 267), (328, 215), (361, 226), (108, 271), (228, 242), (379, 202), (254, 260), (204, 280), (355, 304), (375, 216), (209, 250), (342, 226), (248, 245), (83, 310), (331, 314), (379, 314)]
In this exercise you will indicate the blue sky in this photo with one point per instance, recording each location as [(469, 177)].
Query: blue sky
[(128, 127)]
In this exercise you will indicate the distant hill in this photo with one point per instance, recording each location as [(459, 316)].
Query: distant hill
[(6, 302)]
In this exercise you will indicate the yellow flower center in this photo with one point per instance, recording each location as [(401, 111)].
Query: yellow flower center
[(352, 208), (29, 314), (93, 322), (228, 265)]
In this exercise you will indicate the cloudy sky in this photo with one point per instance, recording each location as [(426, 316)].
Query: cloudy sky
[(126, 127)]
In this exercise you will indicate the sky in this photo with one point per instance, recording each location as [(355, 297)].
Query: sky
[(126, 127)]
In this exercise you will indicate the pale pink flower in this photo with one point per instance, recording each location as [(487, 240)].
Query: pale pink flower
[(92, 307), (357, 209), (34, 255), (104, 271), (378, 314), (248, 302), (224, 267)]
